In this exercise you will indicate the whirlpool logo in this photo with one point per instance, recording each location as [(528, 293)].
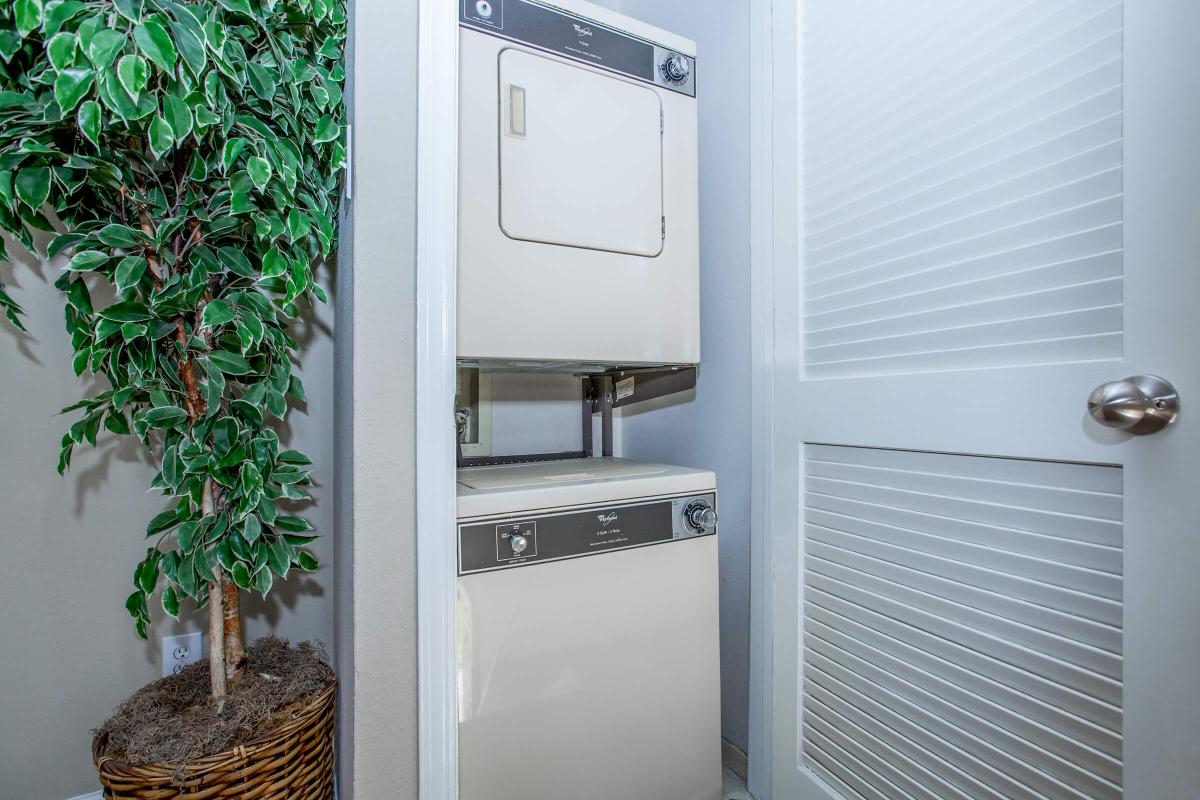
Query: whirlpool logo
[(583, 31), (607, 519)]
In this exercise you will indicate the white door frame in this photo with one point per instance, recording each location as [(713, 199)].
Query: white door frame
[(437, 238), (773, 42)]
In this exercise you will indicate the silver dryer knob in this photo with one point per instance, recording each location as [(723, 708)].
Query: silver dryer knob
[(518, 543), (676, 68), (700, 516)]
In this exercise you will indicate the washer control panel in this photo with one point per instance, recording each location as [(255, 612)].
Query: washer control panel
[(516, 541)]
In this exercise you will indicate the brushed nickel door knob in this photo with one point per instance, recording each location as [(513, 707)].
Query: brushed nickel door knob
[(1141, 404)]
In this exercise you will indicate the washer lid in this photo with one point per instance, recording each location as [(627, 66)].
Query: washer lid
[(520, 488)]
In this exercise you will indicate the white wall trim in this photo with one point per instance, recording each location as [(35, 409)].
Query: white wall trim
[(91, 796), (437, 234), (762, 247)]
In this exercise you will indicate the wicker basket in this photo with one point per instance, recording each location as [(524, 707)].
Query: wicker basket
[(292, 762)]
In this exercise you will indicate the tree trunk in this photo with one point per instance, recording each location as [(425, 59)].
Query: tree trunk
[(232, 608), (225, 650), (216, 618)]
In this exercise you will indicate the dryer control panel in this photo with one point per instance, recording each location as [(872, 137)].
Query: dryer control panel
[(519, 541), (580, 39)]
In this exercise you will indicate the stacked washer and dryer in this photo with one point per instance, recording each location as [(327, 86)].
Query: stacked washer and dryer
[(587, 587)]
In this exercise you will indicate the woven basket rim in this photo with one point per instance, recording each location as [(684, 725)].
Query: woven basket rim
[(316, 706)]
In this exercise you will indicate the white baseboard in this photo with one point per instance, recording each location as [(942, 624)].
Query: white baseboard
[(734, 758), (91, 796)]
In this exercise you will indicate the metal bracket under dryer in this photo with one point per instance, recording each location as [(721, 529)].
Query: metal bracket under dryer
[(601, 394)]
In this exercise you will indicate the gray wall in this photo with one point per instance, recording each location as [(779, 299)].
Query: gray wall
[(68, 653), (712, 430), (376, 355)]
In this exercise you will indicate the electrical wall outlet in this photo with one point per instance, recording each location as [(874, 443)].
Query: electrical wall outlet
[(179, 651)]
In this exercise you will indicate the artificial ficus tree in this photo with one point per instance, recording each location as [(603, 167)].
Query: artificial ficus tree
[(184, 159)]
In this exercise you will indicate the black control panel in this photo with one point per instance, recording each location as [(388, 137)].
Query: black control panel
[(555, 31), (519, 541)]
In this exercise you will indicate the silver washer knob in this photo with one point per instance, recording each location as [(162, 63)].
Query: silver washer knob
[(676, 68), (518, 543), (484, 9), (700, 516)]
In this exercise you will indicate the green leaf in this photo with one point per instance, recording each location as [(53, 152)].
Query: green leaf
[(133, 72), (27, 14), (104, 46), (230, 363), (230, 152), (10, 43), (116, 423), (218, 312), (119, 236), (128, 311), (274, 264), (61, 49), (162, 136), (170, 602), (136, 603), (130, 271), (238, 6), (234, 261), (293, 524), (148, 575), (79, 298), (57, 12), (179, 115), (86, 260), (165, 417), (260, 171), (263, 581), (307, 561), (129, 9), (89, 121), (225, 434), (298, 224), (262, 81), (33, 186), (153, 40), (293, 457), (241, 575), (71, 86), (161, 522), (214, 390), (191, 46), (327, 130), (252, 529)]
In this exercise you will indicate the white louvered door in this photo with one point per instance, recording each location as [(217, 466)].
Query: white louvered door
[(987, 209)]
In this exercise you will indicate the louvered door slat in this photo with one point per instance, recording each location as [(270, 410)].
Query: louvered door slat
[(963, 186), (934, 609)]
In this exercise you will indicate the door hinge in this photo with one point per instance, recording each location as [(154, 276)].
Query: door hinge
[(349, 174)]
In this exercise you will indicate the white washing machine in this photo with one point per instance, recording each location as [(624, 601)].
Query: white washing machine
[(587, 632), (578, 196)]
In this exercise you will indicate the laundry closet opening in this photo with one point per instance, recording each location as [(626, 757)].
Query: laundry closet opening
[(603, 319)]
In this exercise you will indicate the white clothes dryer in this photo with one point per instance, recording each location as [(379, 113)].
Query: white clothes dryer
[(578, 193)]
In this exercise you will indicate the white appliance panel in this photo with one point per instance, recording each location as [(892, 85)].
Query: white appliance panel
[(580, 678), (573, 143)]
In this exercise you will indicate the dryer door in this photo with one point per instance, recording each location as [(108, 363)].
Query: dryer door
[(580, 157)]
